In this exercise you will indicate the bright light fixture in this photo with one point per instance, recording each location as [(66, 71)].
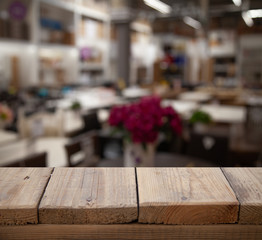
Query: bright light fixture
[(255, 13), (247, 18), (192, 22), (237, 2), (158, 5)]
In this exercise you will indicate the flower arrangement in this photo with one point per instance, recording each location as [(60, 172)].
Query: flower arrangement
[(141, 122), (6, 114)]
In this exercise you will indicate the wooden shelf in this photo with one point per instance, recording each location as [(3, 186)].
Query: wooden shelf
[(57, 46), (91, 66), (141, 28), (79, 9), (60, 4), (92, 43), (16, 42), (92, 13)]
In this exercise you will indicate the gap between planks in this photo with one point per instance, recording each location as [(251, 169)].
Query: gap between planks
[(247, 184), (20, 192), (137, 195), (53, 169), (239, 206)]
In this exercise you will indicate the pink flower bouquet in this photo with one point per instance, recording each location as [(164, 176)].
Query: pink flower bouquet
[(6, 114), (142, 121)]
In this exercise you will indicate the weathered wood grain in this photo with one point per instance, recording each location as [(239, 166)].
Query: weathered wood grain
[(131, 231), (20, 193), (90, 195), (185, 196), (247, 185)]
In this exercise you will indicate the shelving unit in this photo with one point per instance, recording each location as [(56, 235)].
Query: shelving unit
[(93, 45), (143, 52), (223, 58), (252, 65), (250, 55), (224, 71), (91, 66), (65, 17), (170, 69)]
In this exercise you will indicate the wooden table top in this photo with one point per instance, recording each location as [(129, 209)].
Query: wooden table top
[(219, 200)]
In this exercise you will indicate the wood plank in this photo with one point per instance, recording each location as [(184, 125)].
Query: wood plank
[(90, 195), (131, 231), (185, 196), (20, 193), (247, 185)]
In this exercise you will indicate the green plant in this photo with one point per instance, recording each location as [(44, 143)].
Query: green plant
[(76, 105), (200, 117)]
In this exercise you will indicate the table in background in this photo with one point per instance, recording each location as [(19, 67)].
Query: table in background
[(199, 97), (7, 137), (135, 92), (184, 108), (54, 146), (89, 99), (225, 114), (72, 122), (219, 113)]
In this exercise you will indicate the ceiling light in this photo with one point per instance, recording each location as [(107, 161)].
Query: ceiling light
[(192, 22), (158, 5), (255, 13), (237, 2), (247, 18)]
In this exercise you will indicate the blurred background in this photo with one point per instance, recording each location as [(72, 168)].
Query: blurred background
[(65, 63)]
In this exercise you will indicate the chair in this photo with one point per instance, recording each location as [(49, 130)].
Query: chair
[(209, 146), (174, 145), (34, 160), (81, 151), (245, 144), (91, 121), (108, 146), (254, 124)]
